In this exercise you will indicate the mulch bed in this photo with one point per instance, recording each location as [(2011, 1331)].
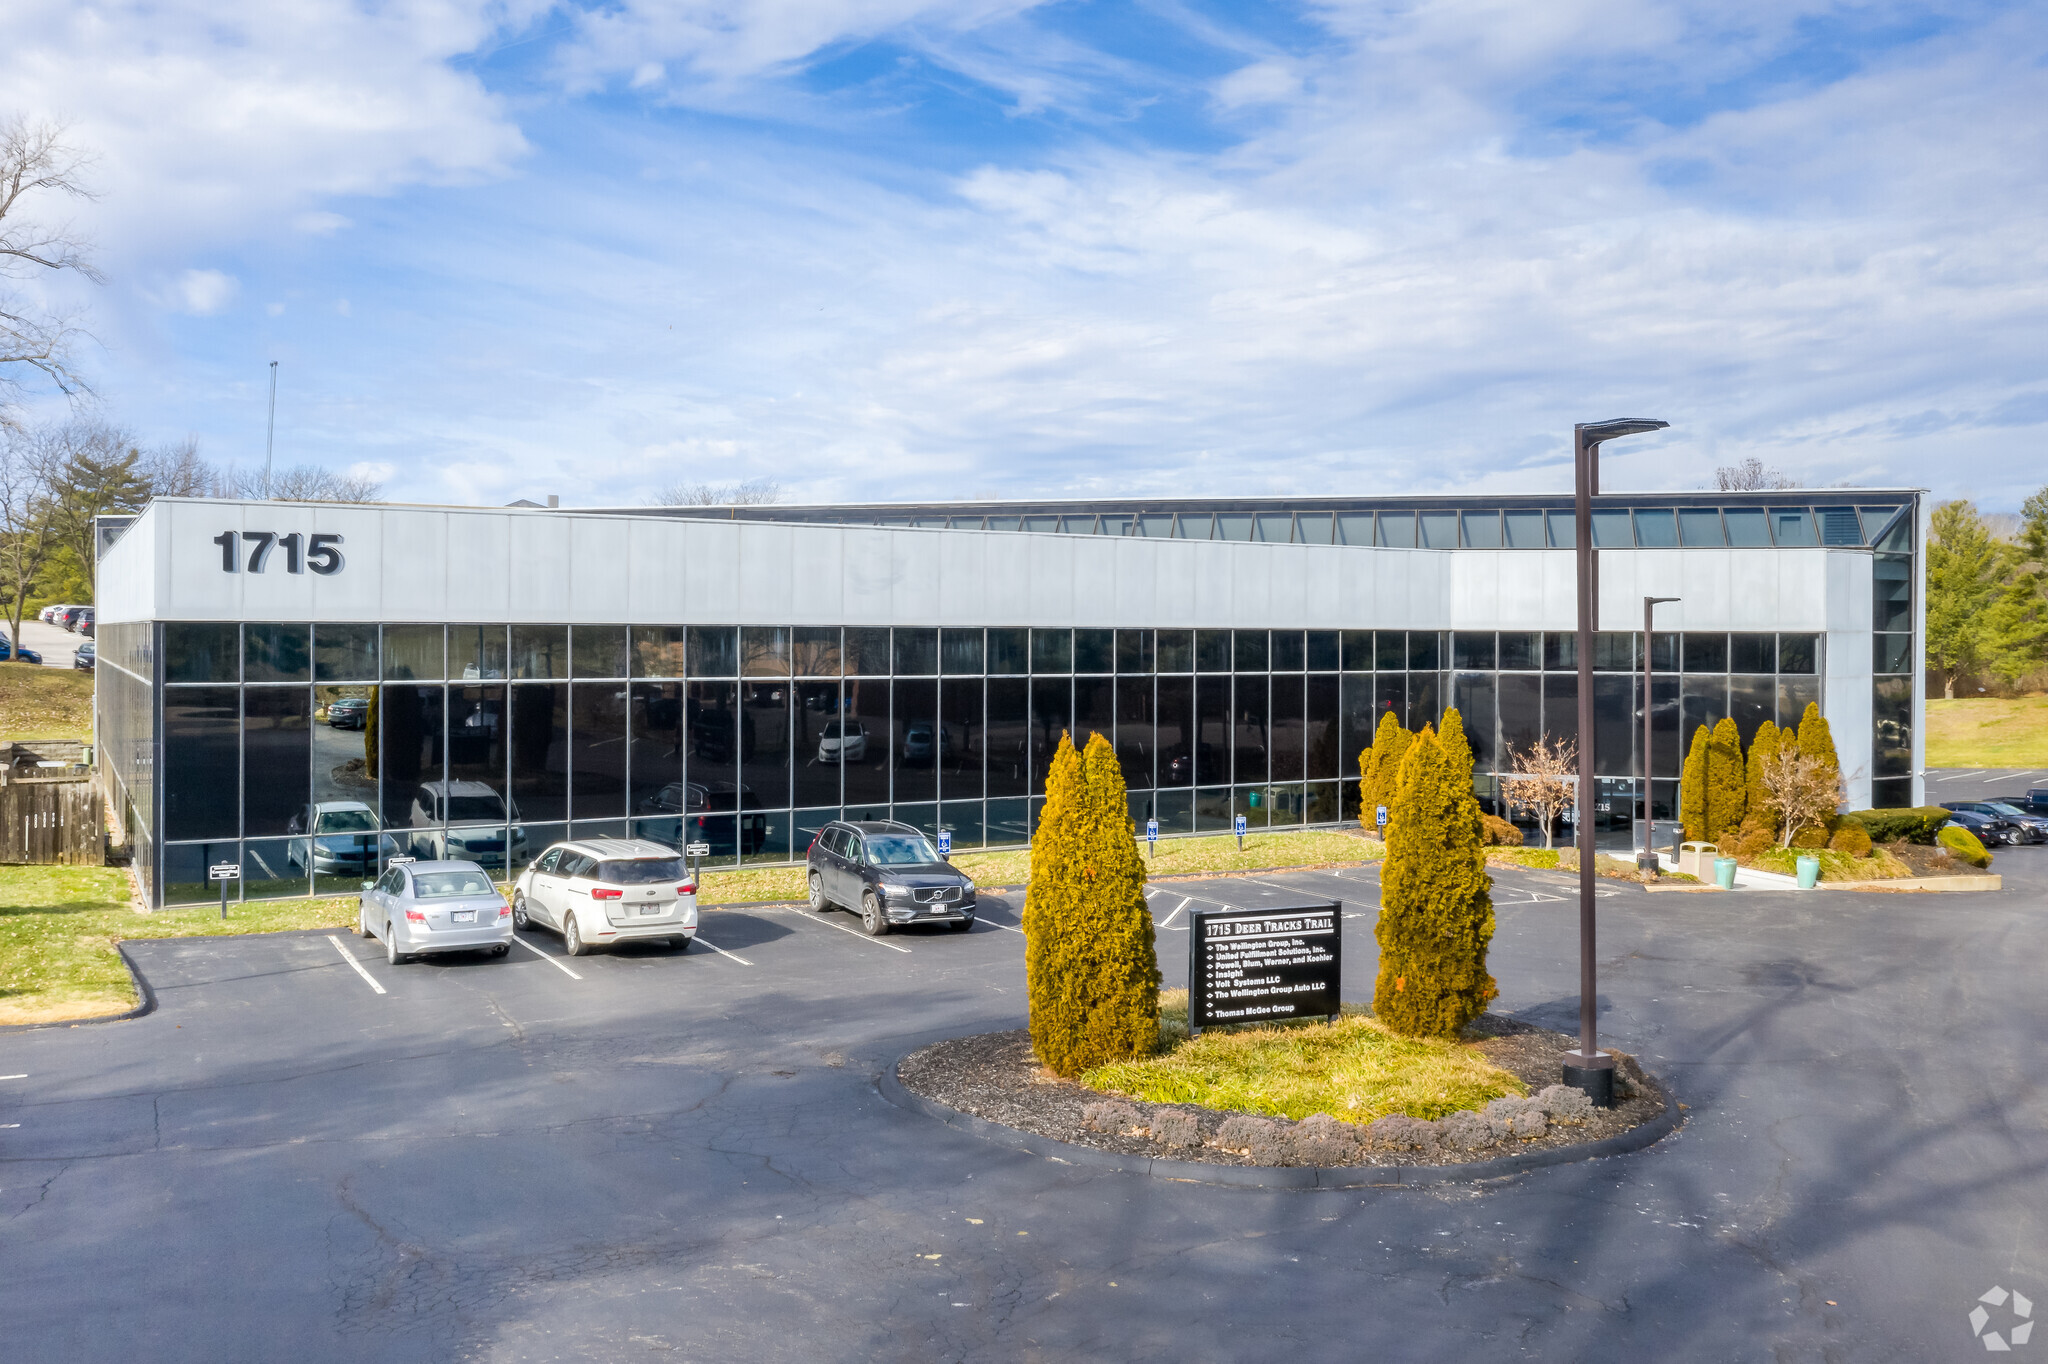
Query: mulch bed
[(996, 1076), (1933, 860)]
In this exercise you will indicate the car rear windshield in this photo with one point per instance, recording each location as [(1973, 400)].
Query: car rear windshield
[(444, 885), (347, 822), (641, 871), (900, 850)]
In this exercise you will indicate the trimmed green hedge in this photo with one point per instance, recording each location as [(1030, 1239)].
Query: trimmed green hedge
[(1917, 824), (1964, 844)]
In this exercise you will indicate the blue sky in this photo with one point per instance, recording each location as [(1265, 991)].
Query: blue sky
[(879, 249)]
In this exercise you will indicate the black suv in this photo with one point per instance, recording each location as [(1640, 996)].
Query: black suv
[(891, 873), (2032, 828)]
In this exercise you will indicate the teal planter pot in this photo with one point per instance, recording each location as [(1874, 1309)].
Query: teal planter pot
[(1809, 872), (1724, 872)]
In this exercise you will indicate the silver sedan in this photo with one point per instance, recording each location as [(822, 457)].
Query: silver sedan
[(422, 907)]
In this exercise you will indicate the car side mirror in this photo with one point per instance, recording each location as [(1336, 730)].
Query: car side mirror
[(369, 885)]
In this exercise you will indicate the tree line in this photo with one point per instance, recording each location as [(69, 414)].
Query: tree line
[(1987, 596)]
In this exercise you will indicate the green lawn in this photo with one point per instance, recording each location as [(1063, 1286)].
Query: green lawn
[(1988, 732), (44, 703), (58, 927), (1177, 857), (1354, 1069)]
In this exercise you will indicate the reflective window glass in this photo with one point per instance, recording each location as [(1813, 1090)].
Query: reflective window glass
[(960, 652), (1656, 529), (1275, 528), (1052, 651), (1192, 526), (815, 651), (1396, 530), (1791, 527), (1287, 656), (1699, 526), (1354, 528), (1798, 654), (1482, 530), (1525, 530), (1313, 528), (1425, 650), (1078, 525), (1233, 525), (597, 651), (1249, 653), (764, 651), (1174, 651), (1838, 526), (202, 652), (1748, 528), (714, 651), (276, 757), (1892, 654), (1706, 653), (1469, 650), (276, 653), (414, 652), (538, 750), (1752, 653), (1009, 651), (1564, 533), (344, 653), (1322, 653), (867, 651), (916, 653), (1094, 651), (1521, 649), (540, 651), (1134, 651), (1156, 527), (1439, 530), (1041, 524), (477, 653), (1611, 530), (1390, 651), (1212, 651), (1875, 520), (658, 650)]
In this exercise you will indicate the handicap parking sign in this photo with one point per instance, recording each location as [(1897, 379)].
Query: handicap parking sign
[(945, 842), (1152, 831), (1240, 826)]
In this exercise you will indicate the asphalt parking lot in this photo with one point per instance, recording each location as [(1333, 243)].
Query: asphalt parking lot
[(305, 1153)]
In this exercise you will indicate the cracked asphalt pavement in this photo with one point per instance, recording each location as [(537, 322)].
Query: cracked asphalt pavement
[(685, 1156)]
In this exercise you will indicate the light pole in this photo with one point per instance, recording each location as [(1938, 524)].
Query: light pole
[(1590, 1068), (1647, 859)]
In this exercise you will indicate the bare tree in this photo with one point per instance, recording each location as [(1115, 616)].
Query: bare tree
[(301, 483), (1544, 782), (28, 529), (1801, 790), (176, 470), (35, 338), (1751, 476), (759, 492)]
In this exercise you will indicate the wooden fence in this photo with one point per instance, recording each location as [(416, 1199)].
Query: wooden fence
[(52, 820)]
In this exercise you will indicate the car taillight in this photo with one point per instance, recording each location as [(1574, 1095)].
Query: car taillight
[(603, 893), (504, 911), (687, 888), (415, 916)]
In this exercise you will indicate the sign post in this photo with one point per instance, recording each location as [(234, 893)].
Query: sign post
[(1238, 825), (1264, 965), (696, 853), (946, 844), (1380, 817), (1152, 839), (224, 872)]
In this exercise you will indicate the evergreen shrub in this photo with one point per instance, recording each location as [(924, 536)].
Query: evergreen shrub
[(1850, 837), (1499, 833), (1727, 791), (1963, 844), (1436, 913), (1914, 824), (1379, 770), (1089, 964), (1692, 788), (1762, 748)]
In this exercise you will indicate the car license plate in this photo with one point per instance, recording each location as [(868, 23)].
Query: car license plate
[(652, 909), (463, 916)]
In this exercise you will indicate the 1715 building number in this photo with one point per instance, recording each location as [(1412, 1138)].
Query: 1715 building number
[(321, 553)]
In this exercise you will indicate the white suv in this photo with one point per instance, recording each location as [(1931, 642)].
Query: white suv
[(608, 890)]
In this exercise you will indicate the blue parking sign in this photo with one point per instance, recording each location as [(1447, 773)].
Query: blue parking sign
[(945, 842), (1240, 826), (1152, 831)]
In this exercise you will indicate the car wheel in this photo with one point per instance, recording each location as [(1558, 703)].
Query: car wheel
[(961, 925), (872, 919), (818, 901), (519, 916), (392, 955), (572, 938), (680, 944)]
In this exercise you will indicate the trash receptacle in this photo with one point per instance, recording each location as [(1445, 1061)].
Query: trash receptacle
[(1724, 872), (1809, 872)]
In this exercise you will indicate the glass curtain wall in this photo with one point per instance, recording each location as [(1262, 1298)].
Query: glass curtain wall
[(314, 754)]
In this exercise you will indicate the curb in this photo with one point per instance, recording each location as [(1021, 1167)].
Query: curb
[(1285, 1176), (142, 992)]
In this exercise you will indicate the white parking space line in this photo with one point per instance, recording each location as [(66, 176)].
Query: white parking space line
[(13, 1077), (350, 958), (721, 951), (1167, 922), (547, 957), (823, 922), (1959, 776)]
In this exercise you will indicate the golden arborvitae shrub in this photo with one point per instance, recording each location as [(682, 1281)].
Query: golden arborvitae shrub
[(1762, 749), (1727, 791), (1851, 838), (1089, 964), (1499, 833), (1817, 741), (1379, 768), (1692, 788), (1436, 910)]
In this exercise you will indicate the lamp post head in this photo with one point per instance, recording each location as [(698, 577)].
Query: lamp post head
[(1593, 433)]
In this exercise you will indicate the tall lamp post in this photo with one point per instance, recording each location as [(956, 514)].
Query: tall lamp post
[(1647, 859), (1590, 1068)]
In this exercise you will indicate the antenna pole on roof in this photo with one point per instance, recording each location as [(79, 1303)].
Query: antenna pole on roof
[(270, 434)]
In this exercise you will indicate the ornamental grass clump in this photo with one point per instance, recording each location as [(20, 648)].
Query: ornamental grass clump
[(1355, 1069), (1089, 964), (1436, 913)]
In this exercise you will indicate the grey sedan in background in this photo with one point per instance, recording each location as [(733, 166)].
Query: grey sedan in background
[(423, 907)]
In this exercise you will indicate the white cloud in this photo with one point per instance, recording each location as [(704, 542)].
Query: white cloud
[(205, 292), (320, 224)]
